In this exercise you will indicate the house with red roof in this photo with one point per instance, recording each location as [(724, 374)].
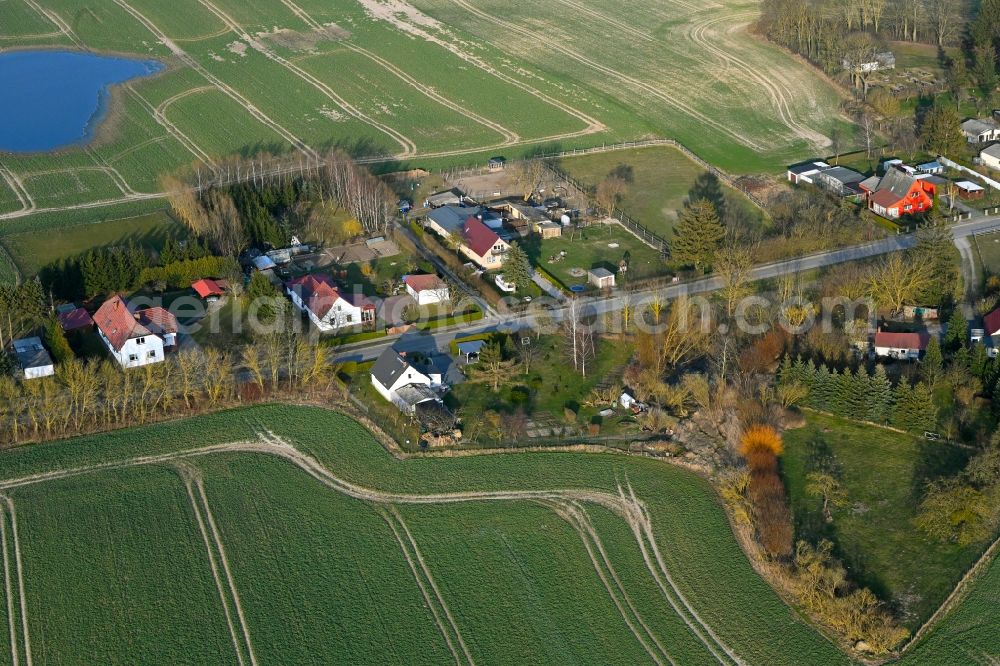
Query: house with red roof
[(426, 289), (329, 308), (135, 337), (905, 346), (898, 194), (209, 289), (482, 245)]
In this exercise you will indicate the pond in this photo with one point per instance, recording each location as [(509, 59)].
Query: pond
[(54, 99)]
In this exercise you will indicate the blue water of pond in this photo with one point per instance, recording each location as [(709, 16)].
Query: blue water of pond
[(53, 99)]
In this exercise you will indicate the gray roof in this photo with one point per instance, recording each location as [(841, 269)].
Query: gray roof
[(976, 126), (896, 181), (443, 198), (471, 347), (807, 167), (992, 151), (452, 218), (601, 272), (843, 174), (389, 367), (871, 183), (31, 354), (414, 394)]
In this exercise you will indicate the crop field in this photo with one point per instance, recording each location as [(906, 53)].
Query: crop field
[(289, 535), (429, 82)]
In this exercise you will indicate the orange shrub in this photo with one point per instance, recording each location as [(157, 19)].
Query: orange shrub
[(761, 437)]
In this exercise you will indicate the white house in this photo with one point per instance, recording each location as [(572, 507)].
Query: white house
[(980, 131), (990, 157), (32, 358), (426, 289), (627, 400), (135, 338), (906, 346), (400, 383), (327, 307)]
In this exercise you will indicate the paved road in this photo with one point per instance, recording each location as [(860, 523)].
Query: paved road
[(426, 342)]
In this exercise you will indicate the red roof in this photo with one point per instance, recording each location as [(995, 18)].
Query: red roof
[(317, 292), (992, 322), (207, 287), (74, 319), (119, 324), (902, 340), (419, 283), (478, 237)]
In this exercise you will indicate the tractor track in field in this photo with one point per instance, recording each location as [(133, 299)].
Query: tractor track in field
[(191, 477), (188, 60), (7, 507), (627, 506), (777, 92), (160, 117), (408, 146), (639, 85), (576, 517), (509, 136), (28, 205), (425, 582)]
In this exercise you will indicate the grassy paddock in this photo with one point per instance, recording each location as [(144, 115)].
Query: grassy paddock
[(884, 474)]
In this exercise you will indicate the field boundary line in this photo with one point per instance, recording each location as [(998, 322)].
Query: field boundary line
[(8, 590), (395, 523), (213, 545), (160, 118), (407, 144), (571, 514), (19, 564)]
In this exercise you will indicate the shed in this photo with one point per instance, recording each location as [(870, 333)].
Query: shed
[(969, 190), (470, 350), (601, 278), (75, 319), (32, 358), (496, 163), (263, 263), (450, 197), (549, 230), (934, 167), (627, 400), (209, 289)]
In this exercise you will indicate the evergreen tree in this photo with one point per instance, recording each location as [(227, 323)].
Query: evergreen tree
[(55, 340), (932, 364), (822, 395), (957, 332), (842, 383), (936, 249), (915, 408), (979, 361), (941, 130), (879, 396), (857, 398), (697, 235), (517, 267)]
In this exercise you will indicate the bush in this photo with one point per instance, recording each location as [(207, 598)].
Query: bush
[(182, 273), (761, 437)]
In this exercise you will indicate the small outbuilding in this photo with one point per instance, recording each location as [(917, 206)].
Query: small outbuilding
[(969, 190), (209, 289), (601, 278), (470, 350), (496, 163), (904, 346), (74, 319), (426, 289), (32, 358)]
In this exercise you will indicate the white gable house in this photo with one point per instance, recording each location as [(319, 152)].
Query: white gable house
[(400, 383)]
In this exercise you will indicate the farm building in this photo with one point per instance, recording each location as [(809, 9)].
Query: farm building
[(601, 278), (326, 306), (452, 197), (135, 338), (898, 193), (496, 163), (209, 289), (426, 289), (805, 173), (32, 358), (978, 130), (905, 346), (839, 181), (990, 156), (482, 245), (969, 190)]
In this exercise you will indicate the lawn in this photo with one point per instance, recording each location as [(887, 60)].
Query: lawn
[(884, 474), (320, 576), (661, 178), (33, 250), (593, 247), (988, 247)]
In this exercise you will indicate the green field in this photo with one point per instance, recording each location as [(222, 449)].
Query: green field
[(33, 250), (307, 573), (884, 474), (987, 248), (662, 177), (287, 534), (432, 84)]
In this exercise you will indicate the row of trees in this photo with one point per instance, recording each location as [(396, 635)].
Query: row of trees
[(858, 395), (87, 396)]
